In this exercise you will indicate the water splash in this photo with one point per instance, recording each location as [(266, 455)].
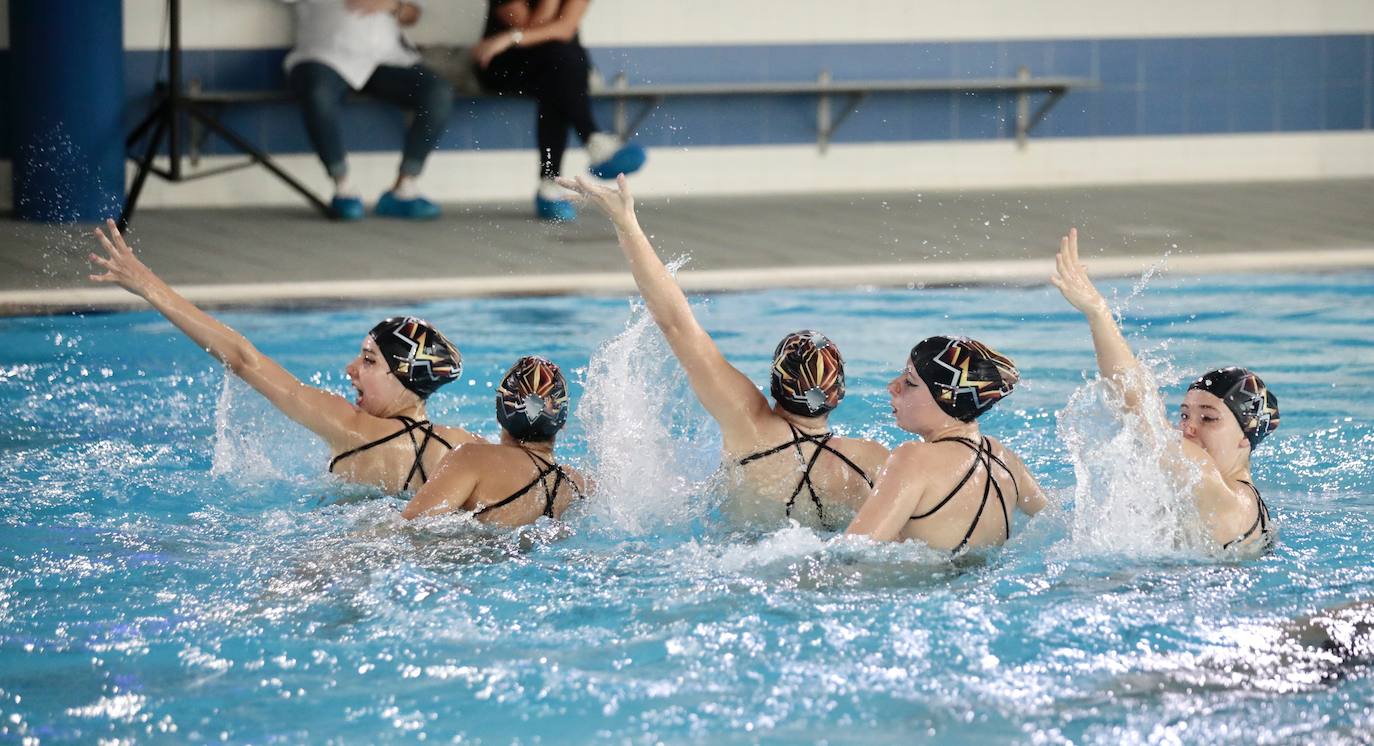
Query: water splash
[(241, 453), (1124, 501), (635, 397)]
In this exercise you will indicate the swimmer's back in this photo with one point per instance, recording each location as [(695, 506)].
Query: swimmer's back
[(970, 490), (382, 452), (775, 472), (509, 485)]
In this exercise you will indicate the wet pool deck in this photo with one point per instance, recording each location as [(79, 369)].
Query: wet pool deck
[(288, 256)]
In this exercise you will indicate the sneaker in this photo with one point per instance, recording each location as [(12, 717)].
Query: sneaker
[(417, 208), (610, 157), (554, 210), (347, 208)]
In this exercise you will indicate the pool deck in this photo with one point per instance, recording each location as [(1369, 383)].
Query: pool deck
[(287, 256)]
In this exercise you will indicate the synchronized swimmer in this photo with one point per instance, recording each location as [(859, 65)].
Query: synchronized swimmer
[(954, 489)]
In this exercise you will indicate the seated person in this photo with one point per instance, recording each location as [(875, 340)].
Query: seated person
[(1223, 417), (382, 439), (785, 460), (514, 482), (940, 491), (344, 45), (531, 49)]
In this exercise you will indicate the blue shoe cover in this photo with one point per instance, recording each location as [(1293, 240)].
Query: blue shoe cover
[(556, 210), (627, 160), (347, 208), (419, 208)]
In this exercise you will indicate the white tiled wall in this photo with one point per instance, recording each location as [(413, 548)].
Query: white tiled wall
[(266, 23), (224, 24)]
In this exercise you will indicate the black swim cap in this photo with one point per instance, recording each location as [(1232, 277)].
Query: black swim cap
[(808, 374), (532, 400), (418, 355), (966, 377), (1255, 407)]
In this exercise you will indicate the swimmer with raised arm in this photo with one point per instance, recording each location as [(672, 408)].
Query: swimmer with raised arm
[(514, 482), (957, 489), (384, 439), (785, 458), (1224, 415)]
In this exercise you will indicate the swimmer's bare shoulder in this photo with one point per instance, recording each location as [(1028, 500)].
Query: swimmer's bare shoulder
[(454, 484), (1031, 499), (897, 492), (1225, 510), (870, 455), (458, 436)]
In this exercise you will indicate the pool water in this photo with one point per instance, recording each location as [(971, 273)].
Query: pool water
[(175, 565)]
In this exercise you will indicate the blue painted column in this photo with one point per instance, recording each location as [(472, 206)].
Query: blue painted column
[(66, 109)]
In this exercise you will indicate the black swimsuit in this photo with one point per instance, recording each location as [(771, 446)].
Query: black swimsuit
[(416, 467), (983, 457), (545, 468), (821, 442), (1261, 521)]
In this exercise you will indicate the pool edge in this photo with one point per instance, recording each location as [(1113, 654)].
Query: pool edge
[(913, 275)]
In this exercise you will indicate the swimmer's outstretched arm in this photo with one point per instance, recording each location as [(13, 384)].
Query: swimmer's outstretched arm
[(328, 415), (726, 393), (1115, 361)]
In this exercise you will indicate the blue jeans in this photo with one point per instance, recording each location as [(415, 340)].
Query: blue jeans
[(321, 92)]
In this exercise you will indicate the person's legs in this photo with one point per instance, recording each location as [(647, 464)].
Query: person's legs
[(560, 70), (429, 95), (562, 87), (320, 91), (551, 134), (518, 73)]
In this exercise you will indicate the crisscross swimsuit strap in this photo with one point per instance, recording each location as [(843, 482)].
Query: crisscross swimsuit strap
[(544, 467), (822, 443), (417, 467), (984, 457), (1261, 524)]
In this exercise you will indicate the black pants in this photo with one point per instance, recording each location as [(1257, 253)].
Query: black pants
[(554, 74)]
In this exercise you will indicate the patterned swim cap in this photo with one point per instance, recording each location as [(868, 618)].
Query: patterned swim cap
[(421, 357), (532, 400), (808, 374), (1255, 407), (965, 376)]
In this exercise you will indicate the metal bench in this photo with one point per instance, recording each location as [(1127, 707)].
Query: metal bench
[(825, 89), (836, 100)]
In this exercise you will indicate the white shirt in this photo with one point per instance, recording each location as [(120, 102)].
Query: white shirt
[(354, 45)]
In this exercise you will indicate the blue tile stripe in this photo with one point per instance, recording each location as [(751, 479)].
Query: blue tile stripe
[(1148, 87)]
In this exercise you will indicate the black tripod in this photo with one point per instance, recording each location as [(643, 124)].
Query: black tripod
[(165, 122)]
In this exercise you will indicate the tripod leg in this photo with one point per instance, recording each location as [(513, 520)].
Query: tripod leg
[(148, 121), (261, 157), (144, 166)]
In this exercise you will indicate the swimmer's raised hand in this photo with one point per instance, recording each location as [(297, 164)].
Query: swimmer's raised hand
[(618, 204), (120, 264), (1071, 277)]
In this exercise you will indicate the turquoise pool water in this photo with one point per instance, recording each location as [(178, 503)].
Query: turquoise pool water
[(174, 565)]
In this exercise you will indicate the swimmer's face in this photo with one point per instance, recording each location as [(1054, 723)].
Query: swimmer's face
[(912, 403), (379, 392), (1205, 420)]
